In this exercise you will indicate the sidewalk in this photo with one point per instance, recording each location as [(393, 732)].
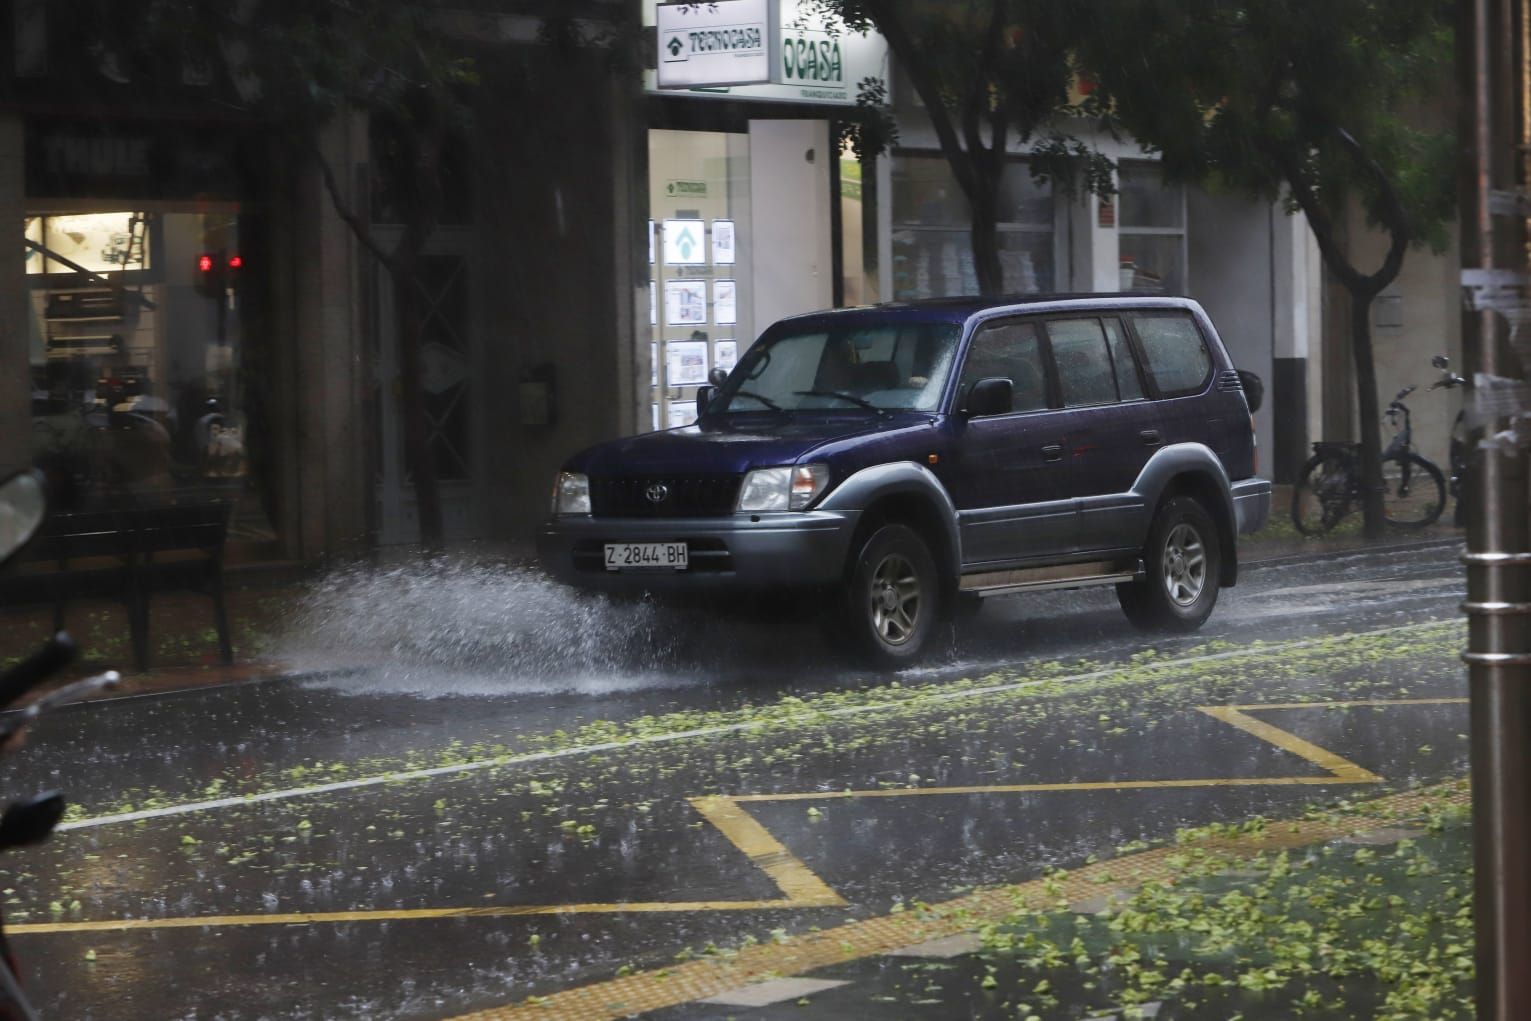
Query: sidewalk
[(262, 600)]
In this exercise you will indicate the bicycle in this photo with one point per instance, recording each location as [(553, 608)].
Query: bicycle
[(1458, 451), (1330, 484)]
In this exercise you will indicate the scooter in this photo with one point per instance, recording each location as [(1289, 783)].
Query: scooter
[(23, 507)]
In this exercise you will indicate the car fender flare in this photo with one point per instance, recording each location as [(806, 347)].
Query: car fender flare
[(1179, 461), (862, 489)]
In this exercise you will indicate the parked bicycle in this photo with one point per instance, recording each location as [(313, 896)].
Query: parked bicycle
[(1413, 488)]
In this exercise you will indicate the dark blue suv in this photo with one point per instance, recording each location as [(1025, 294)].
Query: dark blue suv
[(904, 458)]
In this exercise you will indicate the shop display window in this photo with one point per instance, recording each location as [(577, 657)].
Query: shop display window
[(932, 250), (138, 359)]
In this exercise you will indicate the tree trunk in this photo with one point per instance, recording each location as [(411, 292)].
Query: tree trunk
[(1366, 394), (409, 321), (985, 237)]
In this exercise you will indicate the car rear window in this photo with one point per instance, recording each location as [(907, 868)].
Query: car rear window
[(1176, 356)]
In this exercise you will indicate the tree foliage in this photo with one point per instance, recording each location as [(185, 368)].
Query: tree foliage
[(1321, 106), (989, 73)]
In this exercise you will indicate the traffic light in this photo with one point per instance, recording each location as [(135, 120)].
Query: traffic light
[(217, 272), (210, 274)]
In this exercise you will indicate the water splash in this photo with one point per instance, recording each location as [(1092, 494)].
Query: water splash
[(452, 626)]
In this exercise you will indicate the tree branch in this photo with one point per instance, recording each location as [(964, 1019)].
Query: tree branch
[(349, 215), (1394, 216), (884, 15)]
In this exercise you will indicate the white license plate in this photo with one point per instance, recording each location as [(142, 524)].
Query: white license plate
[(646, 556)]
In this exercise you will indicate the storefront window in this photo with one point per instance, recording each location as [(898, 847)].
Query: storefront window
[(136, 357), (932, 249), (1152, 233), (699, 262)]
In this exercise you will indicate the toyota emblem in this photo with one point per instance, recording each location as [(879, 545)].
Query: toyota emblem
[(657, 492)]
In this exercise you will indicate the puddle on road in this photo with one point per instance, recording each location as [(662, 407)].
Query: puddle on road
[(455, 627)]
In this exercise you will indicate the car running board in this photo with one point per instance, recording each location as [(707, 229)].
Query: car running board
[(1035, 579)]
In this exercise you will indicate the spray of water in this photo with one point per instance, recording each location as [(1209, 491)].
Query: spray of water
[(456, 626)]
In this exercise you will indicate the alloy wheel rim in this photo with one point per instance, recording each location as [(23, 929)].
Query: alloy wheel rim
[(894, 599), (1184, 565)]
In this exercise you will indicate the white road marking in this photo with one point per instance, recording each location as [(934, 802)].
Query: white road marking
[(777, 990), (403, 776)]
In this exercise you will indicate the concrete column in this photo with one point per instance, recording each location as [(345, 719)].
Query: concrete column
[(1094, 251), (1297, 321), (331, 435), (15, 333)]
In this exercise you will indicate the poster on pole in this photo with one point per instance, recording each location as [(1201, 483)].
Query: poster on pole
[(685, 302), (685, 242), (722, 242), (686, 362), (682, 413), (725, 303), (725, 355)]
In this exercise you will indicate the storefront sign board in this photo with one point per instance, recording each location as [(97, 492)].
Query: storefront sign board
[(716, 42), (816, 61)]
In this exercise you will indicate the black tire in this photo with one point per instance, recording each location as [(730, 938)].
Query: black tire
[(1324, 492), (893, 596), (1183, 562), (1414, 493)]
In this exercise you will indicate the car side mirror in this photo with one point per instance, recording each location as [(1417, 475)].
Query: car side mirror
[(1254, 389), (23, 504), (704, 398), (992, 396), (717, 377)]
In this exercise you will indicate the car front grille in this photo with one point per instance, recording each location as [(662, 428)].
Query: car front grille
[(679, 496)]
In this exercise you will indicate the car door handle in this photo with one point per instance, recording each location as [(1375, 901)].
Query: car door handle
[(1150, 437), (1053, 452)]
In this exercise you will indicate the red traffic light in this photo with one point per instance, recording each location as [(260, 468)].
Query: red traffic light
[(236, 262), (205, 263)]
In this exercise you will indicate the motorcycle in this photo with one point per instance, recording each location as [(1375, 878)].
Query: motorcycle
[(23, 508)]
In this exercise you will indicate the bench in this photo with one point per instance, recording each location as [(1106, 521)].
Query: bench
[(127, 554)]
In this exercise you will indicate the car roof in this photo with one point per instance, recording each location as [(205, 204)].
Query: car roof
[(960, 309)]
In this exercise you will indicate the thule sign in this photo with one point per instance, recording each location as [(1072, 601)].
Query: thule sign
[(722, 42)]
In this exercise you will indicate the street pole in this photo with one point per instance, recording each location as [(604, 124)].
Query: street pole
[(1492, 50)]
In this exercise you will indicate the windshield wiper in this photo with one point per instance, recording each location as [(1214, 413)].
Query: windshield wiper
[(860, 402), (752, 395)]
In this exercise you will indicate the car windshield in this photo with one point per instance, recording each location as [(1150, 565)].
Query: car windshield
[(856, 367)]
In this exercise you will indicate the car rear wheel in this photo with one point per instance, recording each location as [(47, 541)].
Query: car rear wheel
[(893, 596), (1182, 562)]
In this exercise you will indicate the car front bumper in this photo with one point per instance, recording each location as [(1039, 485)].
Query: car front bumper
[(1251, 504), (741, 553)]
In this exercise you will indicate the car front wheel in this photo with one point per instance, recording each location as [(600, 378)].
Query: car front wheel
[(1182, 562), (893, 596)]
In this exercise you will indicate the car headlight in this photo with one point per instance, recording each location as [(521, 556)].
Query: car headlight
[(782, 489), (571, 494)]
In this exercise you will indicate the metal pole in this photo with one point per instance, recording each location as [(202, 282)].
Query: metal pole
[(1499, 546)]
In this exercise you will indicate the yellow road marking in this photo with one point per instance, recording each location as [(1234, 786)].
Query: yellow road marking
[(1341, 768), (796, 880), (628, 995), (1358, 703), (800, 886)]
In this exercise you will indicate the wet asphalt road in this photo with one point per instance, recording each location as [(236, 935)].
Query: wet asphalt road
[(262, 803)]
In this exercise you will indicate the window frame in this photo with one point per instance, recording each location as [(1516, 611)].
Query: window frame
[(1124, 229)]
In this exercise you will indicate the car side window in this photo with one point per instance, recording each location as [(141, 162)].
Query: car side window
[(1009, 349), (1176, 354), (1083, 361), (1123, 361)]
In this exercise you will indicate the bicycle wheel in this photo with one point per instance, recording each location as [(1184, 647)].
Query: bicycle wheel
[(1414, 491), (1323, 492)]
